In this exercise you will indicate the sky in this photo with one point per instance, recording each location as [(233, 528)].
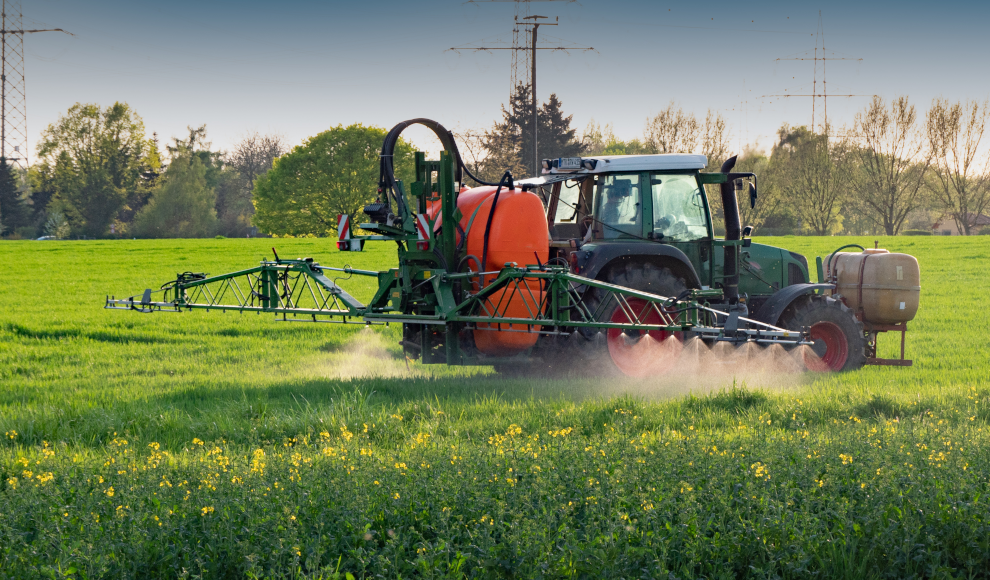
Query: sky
[(299, 67)]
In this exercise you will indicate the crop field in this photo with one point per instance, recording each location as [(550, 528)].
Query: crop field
[(212, 445)]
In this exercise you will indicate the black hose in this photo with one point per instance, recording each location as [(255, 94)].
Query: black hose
[(828, 263), (507, 176), (386, 174), (468, 258)]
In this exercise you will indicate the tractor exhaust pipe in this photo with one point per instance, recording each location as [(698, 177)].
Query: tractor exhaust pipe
[(733, 231)]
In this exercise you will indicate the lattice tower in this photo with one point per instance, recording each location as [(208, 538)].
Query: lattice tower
[(13, 100)]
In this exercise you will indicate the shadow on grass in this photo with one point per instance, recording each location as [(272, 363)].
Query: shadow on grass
[(881, 407), (107, 336), (735, 401)]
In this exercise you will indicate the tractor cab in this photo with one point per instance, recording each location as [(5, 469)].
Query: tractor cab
[(611, 211)]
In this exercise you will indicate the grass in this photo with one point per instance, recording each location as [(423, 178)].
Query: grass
[(225, 445)]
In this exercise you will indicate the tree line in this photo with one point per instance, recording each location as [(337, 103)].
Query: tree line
[(895, 170), (99, 175)]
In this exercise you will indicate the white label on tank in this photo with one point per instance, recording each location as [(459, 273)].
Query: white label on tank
[(902, 304), (900, 276)]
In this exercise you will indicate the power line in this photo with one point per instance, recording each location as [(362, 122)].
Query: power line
[(13, 96), (533, 21), (815, 95), (520, 66)]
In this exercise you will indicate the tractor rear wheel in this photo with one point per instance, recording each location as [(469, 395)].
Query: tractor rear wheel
[(639, 353), (839, 339)]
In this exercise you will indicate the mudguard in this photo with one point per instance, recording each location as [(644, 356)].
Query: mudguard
[(604, 254), (775, 305)]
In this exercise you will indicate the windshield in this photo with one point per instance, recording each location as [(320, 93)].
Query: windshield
[(678, 208), (619, 206)]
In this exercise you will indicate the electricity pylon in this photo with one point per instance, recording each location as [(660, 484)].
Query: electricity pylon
[(13, 97)]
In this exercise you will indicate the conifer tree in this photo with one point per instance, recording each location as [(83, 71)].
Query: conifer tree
[(556, 137), (13, 211)]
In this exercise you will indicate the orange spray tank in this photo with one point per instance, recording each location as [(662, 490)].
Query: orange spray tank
[(519, 234)]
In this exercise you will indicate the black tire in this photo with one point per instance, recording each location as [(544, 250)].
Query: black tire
[(642, 276), (835, 323)]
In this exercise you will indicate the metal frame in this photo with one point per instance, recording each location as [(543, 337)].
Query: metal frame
[(873, 331)]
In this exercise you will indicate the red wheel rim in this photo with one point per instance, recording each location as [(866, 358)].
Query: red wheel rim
[(641, 354), (836, 348)]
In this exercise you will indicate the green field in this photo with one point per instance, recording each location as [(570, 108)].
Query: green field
[(210, 445)]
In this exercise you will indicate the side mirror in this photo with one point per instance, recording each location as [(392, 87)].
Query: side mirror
[(752, 195)]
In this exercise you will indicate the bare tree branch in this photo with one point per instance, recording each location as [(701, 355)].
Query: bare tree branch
[(962, 185)]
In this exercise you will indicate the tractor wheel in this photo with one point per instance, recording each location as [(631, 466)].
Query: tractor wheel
[(840, 342), (639, 353)]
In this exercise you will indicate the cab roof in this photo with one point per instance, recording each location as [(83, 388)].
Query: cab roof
[(613, 163)]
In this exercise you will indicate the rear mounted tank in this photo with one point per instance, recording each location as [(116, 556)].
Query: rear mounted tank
[(519, 234), (883, 286)]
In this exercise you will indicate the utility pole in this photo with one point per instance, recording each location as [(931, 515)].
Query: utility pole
[(521, 9), (13, 99), (815, 95), (536, 131), (516, 47)]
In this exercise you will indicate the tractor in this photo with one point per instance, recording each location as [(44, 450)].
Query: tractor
[(615, 252)]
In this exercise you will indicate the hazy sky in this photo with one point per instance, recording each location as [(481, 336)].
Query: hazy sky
[(298, 67)]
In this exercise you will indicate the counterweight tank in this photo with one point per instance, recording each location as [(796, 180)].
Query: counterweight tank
[(884, 287)]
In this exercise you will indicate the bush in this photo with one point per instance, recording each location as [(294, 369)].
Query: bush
[(985, 231), (916, 233), (221, 238)]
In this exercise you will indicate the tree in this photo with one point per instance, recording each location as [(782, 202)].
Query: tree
[(13, 210), (671, 131), (818, 172), (332, 173), (893, 162), (556, 137), (962, 183), (57, 226), (601, 140), (106, 153), (596, 138), (715, 139), (769, 176), (252, 157), (490, 153), (674, 131), (182, 206)]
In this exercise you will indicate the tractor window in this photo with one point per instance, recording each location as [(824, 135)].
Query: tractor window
[(567, 206), (619, 207), (678, 208)]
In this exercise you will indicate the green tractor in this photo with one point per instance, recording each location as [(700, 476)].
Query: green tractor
[(645, 222)]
